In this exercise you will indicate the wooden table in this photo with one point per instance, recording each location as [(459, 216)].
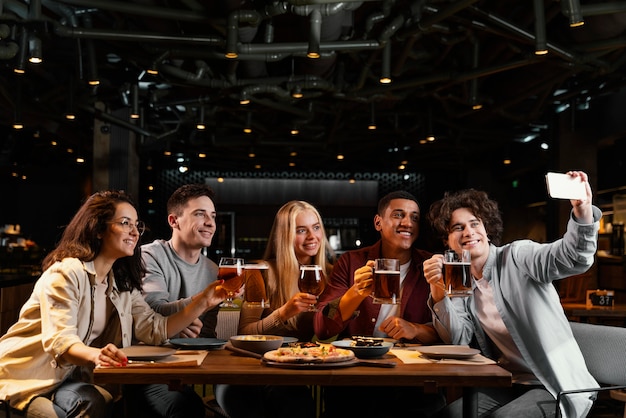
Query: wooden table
[(609, 316), (223, 366)]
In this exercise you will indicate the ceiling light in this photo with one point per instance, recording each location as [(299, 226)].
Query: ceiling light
[(385, 75), (297, 92), (92, 67), (506, 161), (571, 9), (20, 65), (200, 125), (36, 56), (295, 130), (372, 125), (314, 34), (134, 97), (541, 47), (340, 156), (248, 126), (351, 180)]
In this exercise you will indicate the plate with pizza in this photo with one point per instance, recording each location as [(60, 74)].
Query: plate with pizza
[(316, 356)]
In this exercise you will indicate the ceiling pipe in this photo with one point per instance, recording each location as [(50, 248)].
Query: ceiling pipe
[(602, 8), (106, 117), (89, 33), (140, 9)]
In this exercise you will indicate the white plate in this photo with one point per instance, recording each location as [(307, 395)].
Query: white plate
[(147, 352), (447, 351)]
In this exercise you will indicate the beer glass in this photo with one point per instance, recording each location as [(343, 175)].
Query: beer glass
[(256, 280), (231, 271), (387, 281), (456, 273), (311, 281)]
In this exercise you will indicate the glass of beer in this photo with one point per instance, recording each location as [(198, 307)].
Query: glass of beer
[(231, 271), (255, 280), (387, 281), (456, 273), (311, 281)]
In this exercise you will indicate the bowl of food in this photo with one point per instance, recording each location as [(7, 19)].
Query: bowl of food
[(259, 344), (365, 348)]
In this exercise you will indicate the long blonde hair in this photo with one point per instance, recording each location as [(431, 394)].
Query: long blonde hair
[(281, 256)]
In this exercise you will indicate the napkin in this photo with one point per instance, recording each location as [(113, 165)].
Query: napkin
[(409, 356)]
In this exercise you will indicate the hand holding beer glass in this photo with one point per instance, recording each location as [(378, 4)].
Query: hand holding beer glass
[(231, 271), (311, 281), (456, 273), (386, 281)]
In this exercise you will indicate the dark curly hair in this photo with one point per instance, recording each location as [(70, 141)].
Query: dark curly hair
[(81, 240), (475, 201)]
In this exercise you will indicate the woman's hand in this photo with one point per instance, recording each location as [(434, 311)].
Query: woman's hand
[(433, 272), (110, 355), (300, 302), (364, 279)]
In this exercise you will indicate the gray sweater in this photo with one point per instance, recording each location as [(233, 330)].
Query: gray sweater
[(170, 281)]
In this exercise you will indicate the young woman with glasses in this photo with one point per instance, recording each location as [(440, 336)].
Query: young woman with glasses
[(85, 307)]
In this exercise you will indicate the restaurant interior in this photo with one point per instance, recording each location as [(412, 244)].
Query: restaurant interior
[(336, 103)]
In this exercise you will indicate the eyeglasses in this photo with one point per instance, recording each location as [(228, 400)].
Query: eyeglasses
[(140, 226)]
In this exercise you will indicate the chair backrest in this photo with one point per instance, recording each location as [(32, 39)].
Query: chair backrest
[(227, 323), (604, 350)]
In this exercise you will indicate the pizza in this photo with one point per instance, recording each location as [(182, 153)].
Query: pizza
[(320, 353)]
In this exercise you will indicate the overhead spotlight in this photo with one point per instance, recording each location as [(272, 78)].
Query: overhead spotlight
[(36, 55), (248, 126), (372, 125), (69, 114), (251, 153), (385, 75), (340, 156), (244, 99), (571, 9), (297, 92), (92, 67), (351, 180), (315, 34), (232, 36), (200, 125), (541, 47), (20, 65), (134, 97), (17, 116), (295, 131)]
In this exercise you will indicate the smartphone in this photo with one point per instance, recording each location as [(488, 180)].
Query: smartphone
[(564, 186)]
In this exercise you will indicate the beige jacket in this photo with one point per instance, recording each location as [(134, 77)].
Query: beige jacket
[(58, 314)]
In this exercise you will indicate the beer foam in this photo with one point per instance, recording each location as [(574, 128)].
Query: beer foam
[(386, 271)]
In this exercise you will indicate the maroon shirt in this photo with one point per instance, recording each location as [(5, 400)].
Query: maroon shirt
[(415, 293)]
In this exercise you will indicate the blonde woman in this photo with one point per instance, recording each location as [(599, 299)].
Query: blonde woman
[(297, 237)]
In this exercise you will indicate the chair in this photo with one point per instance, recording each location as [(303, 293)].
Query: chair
[(227, 323), (603, 348)]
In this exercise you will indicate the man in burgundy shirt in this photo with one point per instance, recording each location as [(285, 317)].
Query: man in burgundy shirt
[(346, 309)]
